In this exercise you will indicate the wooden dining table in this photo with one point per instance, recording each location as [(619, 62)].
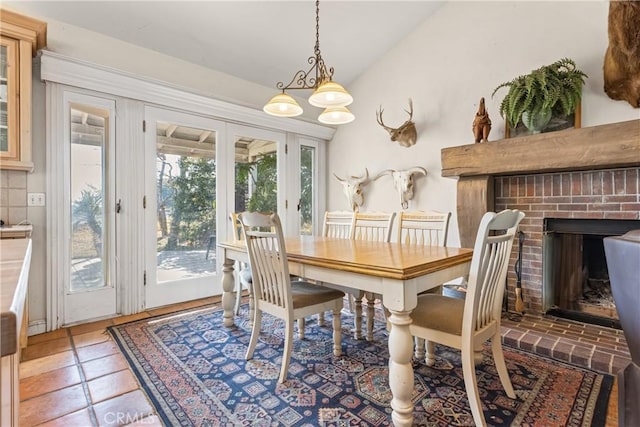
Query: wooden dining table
[(398, 272)]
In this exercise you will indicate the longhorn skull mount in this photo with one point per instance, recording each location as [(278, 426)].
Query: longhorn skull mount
[(352, 188), (403, 182), (405, 135)]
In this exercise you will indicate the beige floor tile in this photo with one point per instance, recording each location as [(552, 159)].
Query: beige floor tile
[(75, 419), (46, 364), (46, 348), (57, 404), (111, 385), (96, 351), (48, 336), (49, 381), (90, 338), (152, 421), (128, 408), (90, 327), (105, 365)]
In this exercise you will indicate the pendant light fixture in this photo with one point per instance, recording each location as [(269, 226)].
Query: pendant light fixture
[(326, 94)]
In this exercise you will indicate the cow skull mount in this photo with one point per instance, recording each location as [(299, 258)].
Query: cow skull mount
[(403, 182), (352, 187), (405, 135)]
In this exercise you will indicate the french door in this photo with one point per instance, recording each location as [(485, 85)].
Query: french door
[(136, 210), (259, 173), (181, 171), (89, 208)]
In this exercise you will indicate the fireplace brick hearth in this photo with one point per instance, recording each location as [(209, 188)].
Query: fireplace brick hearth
[(601, 194), (586, 173)]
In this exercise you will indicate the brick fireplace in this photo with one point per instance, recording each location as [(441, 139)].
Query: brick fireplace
[(587, 173), (611, 194)]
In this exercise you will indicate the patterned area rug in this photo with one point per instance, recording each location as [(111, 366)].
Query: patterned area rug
[(193, 370)]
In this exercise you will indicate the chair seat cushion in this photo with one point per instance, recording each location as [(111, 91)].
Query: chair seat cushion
[(305, 294), (439, 312)]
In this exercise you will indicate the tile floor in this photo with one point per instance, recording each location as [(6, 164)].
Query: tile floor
[(77, 377)]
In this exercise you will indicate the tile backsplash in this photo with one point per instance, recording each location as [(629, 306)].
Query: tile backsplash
[(13, 196)]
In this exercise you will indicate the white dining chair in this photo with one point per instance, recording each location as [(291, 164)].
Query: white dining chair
[(467, 324), (243, 276), (429, 228), (275, 293), (375, 227), (338, 224)]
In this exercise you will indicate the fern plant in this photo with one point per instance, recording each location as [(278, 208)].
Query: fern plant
[(556, 87)]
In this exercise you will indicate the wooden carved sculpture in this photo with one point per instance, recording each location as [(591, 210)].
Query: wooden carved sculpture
[(352, 187), (406, 134), (481, 123), (622, 59)]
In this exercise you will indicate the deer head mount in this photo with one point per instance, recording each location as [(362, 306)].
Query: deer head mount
[(352, 187), (406, 134), (403, 181)]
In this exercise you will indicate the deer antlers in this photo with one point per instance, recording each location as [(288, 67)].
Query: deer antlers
[(406, 134)]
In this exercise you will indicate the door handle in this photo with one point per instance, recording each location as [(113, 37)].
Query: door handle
[(118, 205)]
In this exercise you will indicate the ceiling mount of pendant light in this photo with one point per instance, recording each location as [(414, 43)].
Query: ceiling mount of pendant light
[(326, 93)]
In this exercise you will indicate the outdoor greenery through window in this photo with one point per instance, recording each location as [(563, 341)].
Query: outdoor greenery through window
[(186, 202), (306, 208), (256, 174)]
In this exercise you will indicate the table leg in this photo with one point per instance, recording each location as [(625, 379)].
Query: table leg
[(400, 369), (228, 298), (357, 319)]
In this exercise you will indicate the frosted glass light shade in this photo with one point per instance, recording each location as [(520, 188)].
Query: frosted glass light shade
[(336, 116), (282, 105), (330, 94)]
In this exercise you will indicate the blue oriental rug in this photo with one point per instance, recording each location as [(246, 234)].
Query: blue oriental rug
[(193, 370)]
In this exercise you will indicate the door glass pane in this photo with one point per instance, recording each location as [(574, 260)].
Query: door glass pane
[(89, 127), (307, 189), (256, 175), (186, 202)]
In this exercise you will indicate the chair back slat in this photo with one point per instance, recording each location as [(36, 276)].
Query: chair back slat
[(265, 245), (489, 265), (236, 227), (338, 224), (423, 228), (373, 226)]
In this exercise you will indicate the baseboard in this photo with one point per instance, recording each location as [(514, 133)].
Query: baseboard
[(37, 327)]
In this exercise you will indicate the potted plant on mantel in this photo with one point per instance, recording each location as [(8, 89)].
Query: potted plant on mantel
[(548, 92)]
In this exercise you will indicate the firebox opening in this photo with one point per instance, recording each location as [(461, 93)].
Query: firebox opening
[(575, 276)]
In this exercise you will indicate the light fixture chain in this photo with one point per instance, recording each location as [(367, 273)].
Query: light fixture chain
[(317, 48)]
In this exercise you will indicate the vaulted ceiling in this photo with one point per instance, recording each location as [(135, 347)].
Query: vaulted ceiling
[(260, 41)]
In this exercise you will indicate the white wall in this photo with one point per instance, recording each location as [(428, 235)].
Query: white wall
[(459, 55), (96, 48), (446, 65)]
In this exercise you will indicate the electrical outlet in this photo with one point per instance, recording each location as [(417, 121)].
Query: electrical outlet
[(35, 199)]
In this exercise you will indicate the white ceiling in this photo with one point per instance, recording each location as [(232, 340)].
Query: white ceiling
[(260, 41)]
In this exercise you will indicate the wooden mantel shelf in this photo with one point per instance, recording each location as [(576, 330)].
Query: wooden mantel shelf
[(598, 147)]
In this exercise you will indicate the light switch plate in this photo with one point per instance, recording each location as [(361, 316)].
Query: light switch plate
[(35, 199)]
